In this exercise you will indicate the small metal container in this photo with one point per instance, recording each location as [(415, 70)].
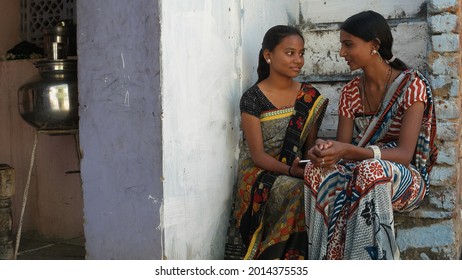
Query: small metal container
[(49, 100), (59, 41)]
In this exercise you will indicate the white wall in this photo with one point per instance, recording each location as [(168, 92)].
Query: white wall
[(209, 56), (257, 17), (200, 49), (322, 11)]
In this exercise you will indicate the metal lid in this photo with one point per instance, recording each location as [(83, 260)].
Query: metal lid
[(62, 28), (56, 65)]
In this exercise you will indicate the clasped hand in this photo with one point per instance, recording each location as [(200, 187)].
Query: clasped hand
[(325, 152)]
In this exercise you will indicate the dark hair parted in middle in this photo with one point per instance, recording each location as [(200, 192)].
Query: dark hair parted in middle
[(370, 25), (272, 38)]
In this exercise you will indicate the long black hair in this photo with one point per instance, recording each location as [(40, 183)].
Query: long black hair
[(370, 25), (272, 38)]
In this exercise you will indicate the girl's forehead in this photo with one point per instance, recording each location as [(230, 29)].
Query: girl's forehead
[(345, 36), (291, 40)]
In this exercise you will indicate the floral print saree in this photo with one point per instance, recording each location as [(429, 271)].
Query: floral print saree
[(349, 206)]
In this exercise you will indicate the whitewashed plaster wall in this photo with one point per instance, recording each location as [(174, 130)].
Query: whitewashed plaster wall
[(209, 55), (200, 62), (257, 17)]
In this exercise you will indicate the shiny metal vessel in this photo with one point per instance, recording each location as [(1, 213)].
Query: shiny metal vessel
[(49, 100)]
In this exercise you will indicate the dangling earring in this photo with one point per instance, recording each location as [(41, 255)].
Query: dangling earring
[(377, 53)]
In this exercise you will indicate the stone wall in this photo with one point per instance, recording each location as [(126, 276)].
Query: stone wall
[(434, 230)]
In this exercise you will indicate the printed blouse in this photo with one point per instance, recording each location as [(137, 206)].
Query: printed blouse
[(351, 105)]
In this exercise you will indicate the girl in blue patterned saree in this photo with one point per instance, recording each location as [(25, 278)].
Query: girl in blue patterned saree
[(280, 119), (353, 187)]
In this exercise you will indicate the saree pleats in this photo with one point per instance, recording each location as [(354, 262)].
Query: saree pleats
[(351, 208)]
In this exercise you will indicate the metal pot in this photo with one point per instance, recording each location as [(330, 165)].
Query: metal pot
[(49, 100)]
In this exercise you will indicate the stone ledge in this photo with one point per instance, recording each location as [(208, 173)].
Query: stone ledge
[(435, 241)]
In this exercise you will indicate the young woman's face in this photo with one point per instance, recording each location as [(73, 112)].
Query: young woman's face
[(287, 57), (356, 51)]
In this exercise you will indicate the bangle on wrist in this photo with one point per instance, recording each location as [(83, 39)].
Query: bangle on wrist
[(376, 150), (290, 169)]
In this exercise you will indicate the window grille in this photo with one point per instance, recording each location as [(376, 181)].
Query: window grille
[(39, 15)]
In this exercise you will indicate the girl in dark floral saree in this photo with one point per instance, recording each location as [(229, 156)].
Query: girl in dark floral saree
[(353, 187), (280, 120)]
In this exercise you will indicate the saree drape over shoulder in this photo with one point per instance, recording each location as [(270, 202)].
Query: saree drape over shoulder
[(350, 205), (268, 214)]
